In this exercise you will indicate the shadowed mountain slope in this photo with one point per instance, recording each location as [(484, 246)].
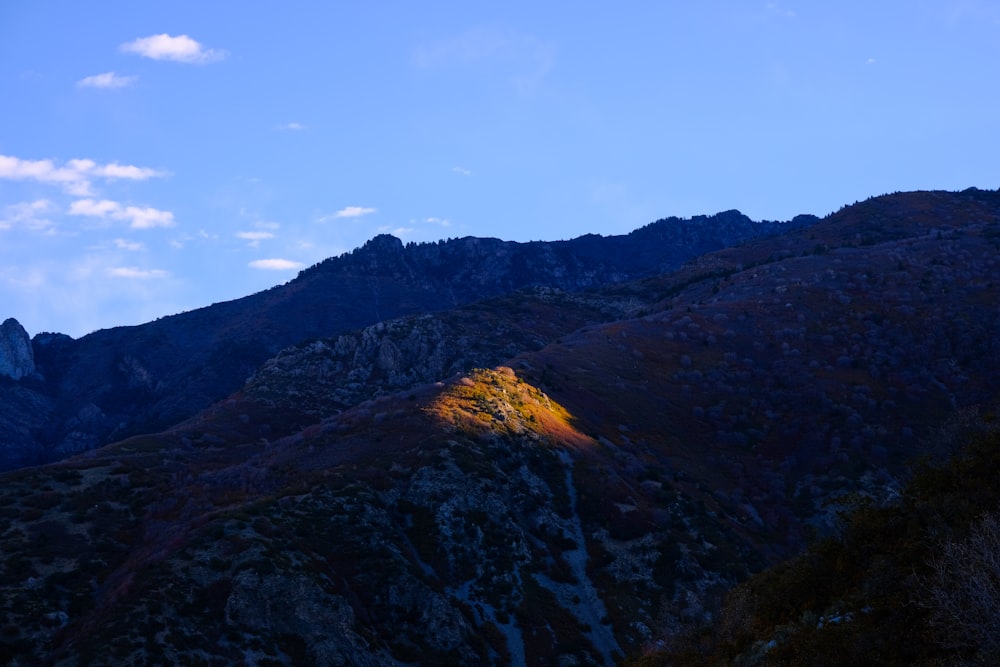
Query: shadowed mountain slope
[(118, 382), (421, 491)]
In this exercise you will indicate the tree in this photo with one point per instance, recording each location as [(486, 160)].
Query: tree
[(964, 592)]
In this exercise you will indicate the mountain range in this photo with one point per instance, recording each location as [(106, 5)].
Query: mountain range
[(483, 452), (80, 394)]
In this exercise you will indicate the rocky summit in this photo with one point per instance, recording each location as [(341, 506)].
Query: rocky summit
[(16, 357), (780, 450)]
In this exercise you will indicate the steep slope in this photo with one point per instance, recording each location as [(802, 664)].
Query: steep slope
[(912, 581), (654, 444), (438, 526), (118, 382)]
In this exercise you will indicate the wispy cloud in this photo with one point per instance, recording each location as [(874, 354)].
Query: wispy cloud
[(462, 170), (294, 127), (139, 218), (476, 44), (395, 231), (778, 10), (76, 176), (30, 215), (353, 212), (136, 273), (275, 264), (443, 222), (180, 49), (254, 238), (106, 80), (971, 10), (526, 58), (131, 246), (88, 291)]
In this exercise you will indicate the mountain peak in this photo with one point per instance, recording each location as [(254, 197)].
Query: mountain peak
[(16, 357), (384, 243)]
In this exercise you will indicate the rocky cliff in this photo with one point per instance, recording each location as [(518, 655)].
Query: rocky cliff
[(16, 357)]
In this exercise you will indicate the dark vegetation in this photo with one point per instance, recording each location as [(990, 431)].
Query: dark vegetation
[(913, 580), (709, 465)]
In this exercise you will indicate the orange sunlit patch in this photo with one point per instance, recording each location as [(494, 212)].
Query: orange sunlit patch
[(497, 401)]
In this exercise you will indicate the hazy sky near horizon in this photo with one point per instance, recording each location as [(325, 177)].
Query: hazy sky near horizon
[(157, 157)]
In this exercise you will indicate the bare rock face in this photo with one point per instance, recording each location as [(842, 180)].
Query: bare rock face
[(16, 357), (295, 605)]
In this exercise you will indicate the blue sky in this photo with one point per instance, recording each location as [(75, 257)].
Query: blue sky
[(160, 156)]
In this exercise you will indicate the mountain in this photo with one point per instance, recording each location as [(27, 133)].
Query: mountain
[(118, 382), (555, 475)]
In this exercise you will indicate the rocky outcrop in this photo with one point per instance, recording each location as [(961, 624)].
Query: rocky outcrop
[(333, 374), (16, 357), (294, 605)]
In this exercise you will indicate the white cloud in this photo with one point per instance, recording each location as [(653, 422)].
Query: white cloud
[(275, 264), (106, 80), (29, 214), (139, 218), (462, 170), (180, 49), (295, 127), (353, 212), (44, 171), (75, 176), (444, 222), (125, 171), (136, 273), (145, 218), (254, 238), (131, 246), (95, 209)]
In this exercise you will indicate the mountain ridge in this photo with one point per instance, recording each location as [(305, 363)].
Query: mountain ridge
[(117, 382)]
